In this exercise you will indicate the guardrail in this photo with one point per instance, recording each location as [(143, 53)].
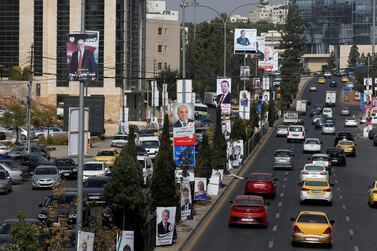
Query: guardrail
[(254, 140)]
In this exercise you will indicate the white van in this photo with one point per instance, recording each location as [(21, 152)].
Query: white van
[(151, 145), (296, 132)]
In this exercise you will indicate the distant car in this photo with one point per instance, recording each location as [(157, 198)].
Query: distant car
[(296, 132), (248, 210), (328, 128), (321, 159), (94, 168), (94, 188), (67, 167), (343, 135), (327, 112), (327, 74), (15, 174), (313, 88), (318, 124), (321, 80), (317, 117), (350, 122), (333, 84), (372, 132), (316, 111), (261, 184), (283, 158), (316, 189), (313, 228), (348, 146), (45, 177), (31, 160), (108, 156), (119, 140), (5, 182), (312, 145), (52, 131), (345, 111), (314, 171), (372, 194), (6, 227), (20, 150), (282, 131), (151, 145), (344, 79), (337, 156)]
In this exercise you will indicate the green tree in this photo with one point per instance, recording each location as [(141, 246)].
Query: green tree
[(16, 73), (218, 144), (331, 62), (26, 73), (44, 118), (238, 130), (272, 113), (204, 160), (263, 113), (124, 191), (353, 56), (163, 187), (169, 77), (254, 116), (14, 117), (23, 235), (292, 42)]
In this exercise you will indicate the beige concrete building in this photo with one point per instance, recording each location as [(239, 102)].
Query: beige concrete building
[(314, 62), (344, 51), (275, 14)]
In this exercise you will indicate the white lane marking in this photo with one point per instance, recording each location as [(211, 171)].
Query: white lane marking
[(356, 248), (270, 244), (274, 228), (341, 197), (277, 215), (285, 179), (281, 194), (336, 181), (347, 218), (283, 186), (280, 204), (344, 207), (286, 173), (338, 188), (334, 174), (351, 232)]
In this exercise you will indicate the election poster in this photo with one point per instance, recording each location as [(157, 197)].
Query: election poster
[(269, 59), (368, 86), (266, 97), (236, 153), (125, 241), (186, 201), (245, 40), (85, 241), (184, 124), (82, 56), (165, 224), (244, 104), (200, 191), (224, 95), (184, 155), (244, 72), (226, 128)]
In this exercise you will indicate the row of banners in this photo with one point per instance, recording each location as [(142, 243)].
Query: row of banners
[(124, 241)]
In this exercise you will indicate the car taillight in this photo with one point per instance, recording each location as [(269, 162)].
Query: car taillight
[(327, 190), (323, 173), (327, 231), (304, 189), (273, 159), (304, 172), (296, 229), (374, 192)]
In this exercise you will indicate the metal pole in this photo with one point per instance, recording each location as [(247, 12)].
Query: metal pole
[(224, 73), (194, 20), (29, 98), (81, 138), (374, 28), (183, 52)]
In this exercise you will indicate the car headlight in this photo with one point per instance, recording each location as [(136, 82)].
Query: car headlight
[(42, 216), (35, 179)]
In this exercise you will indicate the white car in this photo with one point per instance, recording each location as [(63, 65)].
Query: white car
[(313, 88), (321, 159), (314, 171), (151, 144), (119, 140), (316, 189), (312, 145), (327, 74), (15, 174), (328, 128), (345, 111), (94, 168), (327, 112), (4, 148), (282, 131), (350, 85), (296, 132), (350, 122)]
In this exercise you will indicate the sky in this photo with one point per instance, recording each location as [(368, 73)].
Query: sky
[(222, 6)]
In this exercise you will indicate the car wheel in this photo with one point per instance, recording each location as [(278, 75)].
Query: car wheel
[(301, 202), (330, 203)]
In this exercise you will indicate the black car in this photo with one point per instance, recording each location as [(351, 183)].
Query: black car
[(67, 167), (371, 133), (318, 123), (3, 136), (337, 156), (343, 135), (94, 188), (42, 148), (30, 160), (333, 84), (375, 140)]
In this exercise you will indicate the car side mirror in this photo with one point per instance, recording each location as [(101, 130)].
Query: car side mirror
[(299, 184), (31, 173), (292, 219), (331, 185), (332, 222)]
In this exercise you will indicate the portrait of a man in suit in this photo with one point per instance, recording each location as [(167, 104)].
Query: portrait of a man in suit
[(183, 116), (243, 40), (164, 226), (187, 206), (224, 129), (225, 96), (82, 62)]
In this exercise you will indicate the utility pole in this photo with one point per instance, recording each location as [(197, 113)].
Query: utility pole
[(29, 98), (374, 29), (183, 5), (194, 20)]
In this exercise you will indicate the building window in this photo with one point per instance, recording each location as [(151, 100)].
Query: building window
[(159, 48), (159, 31), (62, 29), (38, 37), (166, 31), (120, 66), (165, 66), (159, 66), (38, 90), (166, 48)]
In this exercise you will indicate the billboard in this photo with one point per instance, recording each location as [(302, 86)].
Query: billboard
[(184, 124), (186, 201), (165, 224), (244, 104), (236, 153), (226, 128), (268, 59), (368, 86), (82, 56), (224, 95), (245, 40), (125, 242), (85, 241)]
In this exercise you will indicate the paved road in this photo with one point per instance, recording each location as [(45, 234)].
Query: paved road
[(355, 223)]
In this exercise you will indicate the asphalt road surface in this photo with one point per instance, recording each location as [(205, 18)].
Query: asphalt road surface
[(355, 223)]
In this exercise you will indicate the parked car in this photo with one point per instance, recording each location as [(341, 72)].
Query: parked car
[(6, 227), (248, 210), (16, 166), (15, 174), (94, 188), (67, 167), (5, 182), (337, 156), (10, 132), (45, 177), (20, 150), (94, 168), (30, 160)]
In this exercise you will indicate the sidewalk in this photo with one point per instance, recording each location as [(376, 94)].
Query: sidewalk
[(186, 229)]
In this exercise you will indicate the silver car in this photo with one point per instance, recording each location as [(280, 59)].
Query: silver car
[(328, 128), (14, 173), (45, 176), (5, 182), (282, 131), (314, 171), (283, 158)]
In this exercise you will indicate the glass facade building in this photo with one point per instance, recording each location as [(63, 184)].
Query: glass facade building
[(335, 22)]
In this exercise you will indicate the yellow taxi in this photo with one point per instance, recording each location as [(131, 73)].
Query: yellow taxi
[(321, 80), (108, 156), (372, 194), (312, 227), (348, 146), (344, 79), (316, 189)]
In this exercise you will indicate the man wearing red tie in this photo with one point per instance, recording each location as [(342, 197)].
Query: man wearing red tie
[(225, 96), (82, 64)]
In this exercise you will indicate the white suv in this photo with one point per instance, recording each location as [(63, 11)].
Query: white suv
[(327, 112), (296, 132)]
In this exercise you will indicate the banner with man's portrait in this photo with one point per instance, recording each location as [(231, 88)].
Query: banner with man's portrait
[(82, 56), (184, 124), (186, 201), (244, 72), (165, 224), (125, 241), (200, 189), (245, 40), (85, 241), (368, 86), (224, 95), (368, 101), (236, 153), (269, 59), (226, 128), (244, 104), (256, 83), (266, 97)]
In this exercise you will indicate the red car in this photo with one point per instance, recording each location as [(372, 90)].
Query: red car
[(261, 183), (248, 210)]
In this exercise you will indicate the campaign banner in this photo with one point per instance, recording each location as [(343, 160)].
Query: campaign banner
[(269, 59), (165, 223), (236, 153), (226, 128), (256, 83), (82, 56), (200, 191), (125, 241), (184, 155), (184, 124), (244, 72), (368, 86), (244, 104), (85, 241), (266, 97), (245, 40), (213, 185), (368, 101), (266, 82), (186, 201)]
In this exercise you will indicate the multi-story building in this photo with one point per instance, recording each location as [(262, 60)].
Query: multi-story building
[(45, 25), (238, 19), (275, 14), (342, 22)]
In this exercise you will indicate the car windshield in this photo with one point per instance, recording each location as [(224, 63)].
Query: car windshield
[(92, 167), (2, 176), (327, 110), (120, 137), (328, 125), (45, 171), (314, 168), (316, 183), (320, 158), (312, 218), (312, 141), (106, 153), (96, 182), (283, 154), (295, 129), (260, 177), (346, 143), (248, 202), (67, 162), (283, 127), (5, 228), (59, 200), (151, 144)]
